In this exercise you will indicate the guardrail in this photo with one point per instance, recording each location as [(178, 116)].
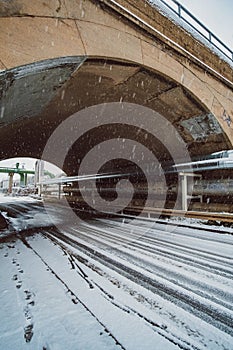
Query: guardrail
[(198, 26)]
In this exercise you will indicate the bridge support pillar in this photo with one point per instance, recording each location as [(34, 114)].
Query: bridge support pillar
[(22, 179), (185, 189), (10, 182)]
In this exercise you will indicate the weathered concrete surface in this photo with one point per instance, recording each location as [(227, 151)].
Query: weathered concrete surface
[(27, 91), (134, 64), (164, 25), (99, 81)]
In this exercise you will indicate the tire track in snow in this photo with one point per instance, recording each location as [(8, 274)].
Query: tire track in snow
[(210, 314)]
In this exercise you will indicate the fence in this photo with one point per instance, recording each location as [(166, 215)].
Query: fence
[(199, 27)]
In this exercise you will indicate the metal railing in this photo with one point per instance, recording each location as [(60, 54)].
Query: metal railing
[(198, 26)]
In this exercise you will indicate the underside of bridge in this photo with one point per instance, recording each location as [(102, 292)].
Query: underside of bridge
[(36, 98)]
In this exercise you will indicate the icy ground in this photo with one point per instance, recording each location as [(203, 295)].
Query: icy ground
[(108, 284)]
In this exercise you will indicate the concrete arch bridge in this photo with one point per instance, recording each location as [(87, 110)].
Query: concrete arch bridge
[(60, 57)]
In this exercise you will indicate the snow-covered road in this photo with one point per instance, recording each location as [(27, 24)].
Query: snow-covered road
[(104, 284)]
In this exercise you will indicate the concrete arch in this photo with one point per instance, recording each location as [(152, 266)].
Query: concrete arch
[(69, 33), (47, 92)]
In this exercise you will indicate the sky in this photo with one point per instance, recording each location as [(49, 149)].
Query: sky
[(28, 163), (216, 15)]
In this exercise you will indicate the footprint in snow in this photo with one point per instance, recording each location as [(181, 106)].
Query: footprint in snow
[(14, 278), (19, 284), (28, 333)]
